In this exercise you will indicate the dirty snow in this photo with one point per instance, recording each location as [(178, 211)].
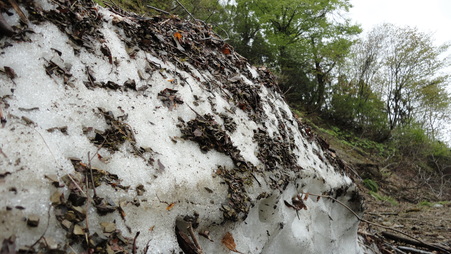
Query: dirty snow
[(181, 172)]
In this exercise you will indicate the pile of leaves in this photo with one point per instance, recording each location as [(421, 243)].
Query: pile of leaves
[(70, 210)]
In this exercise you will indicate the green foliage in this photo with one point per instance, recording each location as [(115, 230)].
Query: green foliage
[(359, 110), (363, 145), (303, 40), (411, 141), (371, 185), (430, 204), (384, 198)]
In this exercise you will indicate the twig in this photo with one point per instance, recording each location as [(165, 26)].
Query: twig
[(134, 243), (160, 10), (45, 231), (189, 13), (379, 225), (76, 185), (409, 241), (199, 115), (413, 250), (193, 237), (87, 204), (92, 176)]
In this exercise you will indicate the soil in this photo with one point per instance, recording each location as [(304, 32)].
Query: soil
[(429, 222), (404, 201)]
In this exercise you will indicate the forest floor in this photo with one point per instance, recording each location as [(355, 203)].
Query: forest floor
[(403, 201)]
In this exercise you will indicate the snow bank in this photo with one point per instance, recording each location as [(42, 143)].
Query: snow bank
[(171, 127)]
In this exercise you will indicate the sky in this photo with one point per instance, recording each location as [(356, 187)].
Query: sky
[(431, 16)]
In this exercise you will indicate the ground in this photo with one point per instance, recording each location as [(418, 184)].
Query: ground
[(403, 200)]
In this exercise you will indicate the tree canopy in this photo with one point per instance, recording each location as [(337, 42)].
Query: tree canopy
[(374, 83)]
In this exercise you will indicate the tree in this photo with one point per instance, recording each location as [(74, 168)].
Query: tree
[(434, 107), (308, 37), (410, 63)]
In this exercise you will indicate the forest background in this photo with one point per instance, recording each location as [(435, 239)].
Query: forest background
[(380, 95)]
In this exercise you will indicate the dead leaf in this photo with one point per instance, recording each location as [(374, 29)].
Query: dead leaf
[(10, 72), (298, 203), (107, 52), (170, 206), (177, 39), (160, 165), (197, 132), (288, 204), (178, 36), (229, 242), (2, 118), (206, 234), (185, 243), (226, 49), (9, 245), (306, 196)]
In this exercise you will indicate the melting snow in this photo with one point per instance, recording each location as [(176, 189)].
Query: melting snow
[(176, 172)]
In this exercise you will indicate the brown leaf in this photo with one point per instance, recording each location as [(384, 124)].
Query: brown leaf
[(288, 204), (10, 72), (229, 242), (226, 49), (306, 196), (178, 36), (170, 206), (298, 203), (185, 243), (8, 245), (106, 52)]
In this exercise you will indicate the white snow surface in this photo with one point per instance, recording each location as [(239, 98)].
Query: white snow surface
[(29, 152)]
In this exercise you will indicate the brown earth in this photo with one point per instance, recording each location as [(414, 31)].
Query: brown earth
[(404, 201)]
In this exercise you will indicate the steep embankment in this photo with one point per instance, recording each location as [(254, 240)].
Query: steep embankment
[(122, 133)]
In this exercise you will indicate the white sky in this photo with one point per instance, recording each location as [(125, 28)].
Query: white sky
[(429, 16)]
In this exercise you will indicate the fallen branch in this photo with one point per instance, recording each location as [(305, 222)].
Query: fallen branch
[(412, 242), (413, 250)]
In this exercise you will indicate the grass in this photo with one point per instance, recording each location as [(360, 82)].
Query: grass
[(384, 198), (430, 204)]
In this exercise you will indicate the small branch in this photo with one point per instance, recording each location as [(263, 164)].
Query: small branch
[(92, 176), (159, 10), (76, 185), (189, 13), (134, 243), (193, 237), (45, 231), (412, 242)]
